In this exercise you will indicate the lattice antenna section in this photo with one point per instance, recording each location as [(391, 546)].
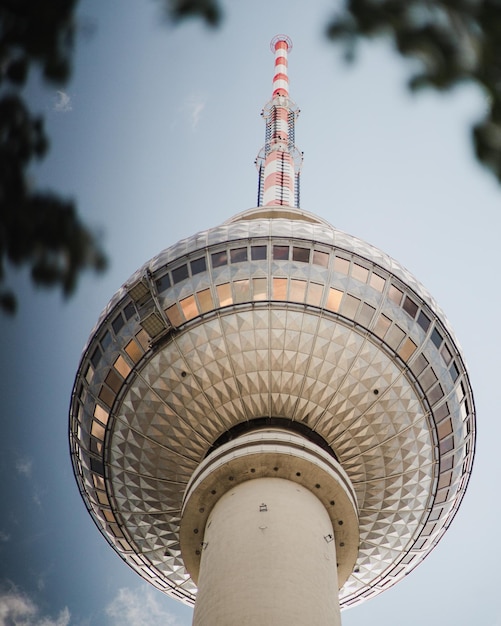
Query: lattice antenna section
[(279, 161)]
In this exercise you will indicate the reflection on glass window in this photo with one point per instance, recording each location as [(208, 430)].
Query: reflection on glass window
[(133, 350), (101, 414), (301, 255), (114, 381), (242, 290), (297, 290), (180, 273), (341, 265), (122, 366), (258, 253), (205, 300), (189, 307), (360, 273), (97, 430), (395, 295), (365, 314), (410, 307), (198, 266), (260, 288), (280, 253), (436, 337), (219, 258), (224, 294), (407, 349), (174, 315), (320, 258), (280, 288), (377, 282), (315, 292), (424, 321), (446, 354), (117, 323), (382, 325), (333, 299), (394, 336), (349, 306), (238, 255)]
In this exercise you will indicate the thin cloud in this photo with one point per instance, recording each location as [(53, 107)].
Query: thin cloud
[(4, 537), (194, 107), (17, 609), (23, 467), (137, 608), (63, 102)]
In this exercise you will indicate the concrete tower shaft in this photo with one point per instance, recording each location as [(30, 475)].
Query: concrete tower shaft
[(279, 162)]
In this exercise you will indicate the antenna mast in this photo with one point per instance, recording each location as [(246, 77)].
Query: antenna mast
[(279, 161)]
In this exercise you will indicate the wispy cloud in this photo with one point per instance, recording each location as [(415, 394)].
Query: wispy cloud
[(17, 609), (136, 608), (23, 467), (194, 106), (4, 537), (63, 102)]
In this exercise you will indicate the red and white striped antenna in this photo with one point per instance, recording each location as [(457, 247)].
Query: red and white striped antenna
[(279, 161)]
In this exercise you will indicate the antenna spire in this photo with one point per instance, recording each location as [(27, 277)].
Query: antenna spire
[(279, 161)]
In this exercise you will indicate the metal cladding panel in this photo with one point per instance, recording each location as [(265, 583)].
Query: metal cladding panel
[(284, 318)]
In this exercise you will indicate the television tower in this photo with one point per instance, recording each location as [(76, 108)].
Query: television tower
[(272, 419)]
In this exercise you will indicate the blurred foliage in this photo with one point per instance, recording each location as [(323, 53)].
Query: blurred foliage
[(450, 41), (37, 229)]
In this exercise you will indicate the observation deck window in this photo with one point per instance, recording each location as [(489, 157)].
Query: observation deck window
[(258, 253)]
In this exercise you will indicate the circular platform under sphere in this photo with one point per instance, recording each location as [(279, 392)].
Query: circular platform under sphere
[(274, 318)]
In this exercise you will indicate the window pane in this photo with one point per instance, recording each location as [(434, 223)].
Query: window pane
[(377, 282), (114, 381), (205, 300), (360, 273), (180, 273), (117, 323), (410, 307), (163, 283), (436, 337), (394, 336), (315, 294), (424, 321), (297, 290), (260, 288), (242, 290), (302, 255), (198, 266), (382, 326), (219, 258), (224, 294), (350, 306), (174, 315), (280, 253), (320, 258), (258, 253), (407, 349), (395, 294), (280, 288), (133, 350), (238, 255), (341, 265), (189, 307), (122, 367), (333, 299), (364, 316), (101, 414)]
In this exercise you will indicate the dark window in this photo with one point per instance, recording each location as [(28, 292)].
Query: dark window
[(237, 255), (117, 323), (454, 372), (106, 340), (410, 307), (281, 253), (96, 356), (436, 337), (163, 283), (424, 321), (129, 311), (97, 466), (198, 266), (219, 258), (441, 413), (258, 253), (180, 273), (301, 254)]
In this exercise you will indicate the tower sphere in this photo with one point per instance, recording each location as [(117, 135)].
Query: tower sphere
[(273, 324)]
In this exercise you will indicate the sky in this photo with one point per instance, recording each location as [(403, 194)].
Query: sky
[(155, 138)]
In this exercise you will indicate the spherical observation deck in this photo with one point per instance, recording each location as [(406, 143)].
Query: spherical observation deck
[(275, 318)]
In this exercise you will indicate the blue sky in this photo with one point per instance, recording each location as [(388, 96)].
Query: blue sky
[(155, 137)]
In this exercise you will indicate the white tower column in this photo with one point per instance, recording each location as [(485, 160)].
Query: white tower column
[(269, 532), (268, 558)]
